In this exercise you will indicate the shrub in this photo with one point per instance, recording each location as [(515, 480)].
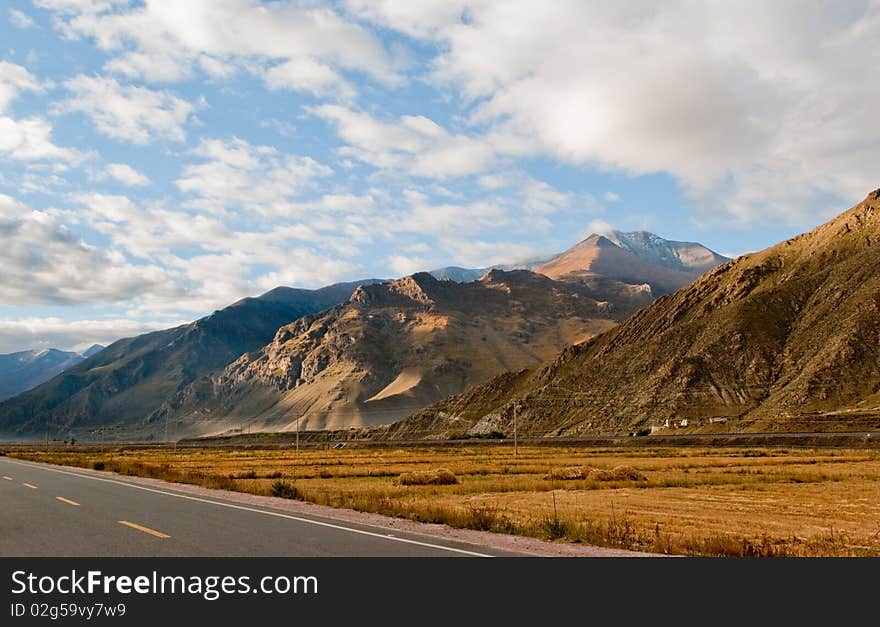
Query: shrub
[(440, 476), (555, 528), (285, 490), (481, 518), (98, 466)]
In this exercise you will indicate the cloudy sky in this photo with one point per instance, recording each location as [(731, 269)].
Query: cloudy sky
[(161, 159)]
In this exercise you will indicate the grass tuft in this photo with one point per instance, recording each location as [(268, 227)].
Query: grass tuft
[(285, 490)]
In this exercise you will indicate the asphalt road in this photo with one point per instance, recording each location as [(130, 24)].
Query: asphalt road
[(47, 511)]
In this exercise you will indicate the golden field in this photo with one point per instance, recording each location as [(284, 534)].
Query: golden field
[(677, 500)]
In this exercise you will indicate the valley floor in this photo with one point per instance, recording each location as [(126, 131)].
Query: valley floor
[(732, 501)]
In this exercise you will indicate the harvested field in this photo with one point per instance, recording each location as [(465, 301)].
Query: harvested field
[(689, 501)]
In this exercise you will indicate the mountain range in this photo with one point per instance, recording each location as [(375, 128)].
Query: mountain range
[(636, 257), (24, 370), (784, 339), (633, 258), (359, 353), (393, 348), (130, 379)]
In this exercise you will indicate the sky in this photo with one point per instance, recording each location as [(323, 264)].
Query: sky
[(162, 159)]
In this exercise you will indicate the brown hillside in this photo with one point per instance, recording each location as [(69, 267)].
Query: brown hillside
[(394, 348), (787, 338), (597, 256)]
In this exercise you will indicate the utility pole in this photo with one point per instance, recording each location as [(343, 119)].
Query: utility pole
[(515, 440), (296, 454)]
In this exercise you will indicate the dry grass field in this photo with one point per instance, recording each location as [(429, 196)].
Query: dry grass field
[(688, 501)]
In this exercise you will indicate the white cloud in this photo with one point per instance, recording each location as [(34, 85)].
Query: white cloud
[(479, 253), (424, 19), (19, 19), (306, 267), (403, 265), (72, 335), (73, 7), (599, 227), (292, 45), (27, 139), (542, 198), (413, 144), (760, 110), (15, 79), (212, 261), (127, 112), (30, 139), (157, 66), (126, 175), (448, 219), (611, 197), (43, 262), (310, 76), (235, 173), (282, 127)]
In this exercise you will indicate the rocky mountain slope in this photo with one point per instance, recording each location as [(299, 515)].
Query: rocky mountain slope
[(129, 380), (633, 259), (784, 339), (690, 257), (391, 349), (615, 261), (24, 370)]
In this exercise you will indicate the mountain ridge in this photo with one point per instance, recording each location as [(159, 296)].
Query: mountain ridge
[(785, 338), (127, 381), (391, 348), (25, 370)]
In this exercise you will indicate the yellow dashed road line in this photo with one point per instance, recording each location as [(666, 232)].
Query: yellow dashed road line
[(68, 501), (30, 485), (7, 478), (152, 532)]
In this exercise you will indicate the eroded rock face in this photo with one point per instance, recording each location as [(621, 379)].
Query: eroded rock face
[(398, 346), (787, 338)]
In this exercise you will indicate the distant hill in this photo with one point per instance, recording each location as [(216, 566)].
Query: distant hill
[(27, 369), (689, 257), (392, 348), (458, 275), (779, 340), (615, 261), (633, 258), (127, 381)]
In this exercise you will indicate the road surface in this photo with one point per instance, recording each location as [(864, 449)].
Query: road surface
[(53, 511)]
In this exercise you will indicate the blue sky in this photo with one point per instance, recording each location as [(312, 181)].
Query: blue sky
[(160, 159)]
